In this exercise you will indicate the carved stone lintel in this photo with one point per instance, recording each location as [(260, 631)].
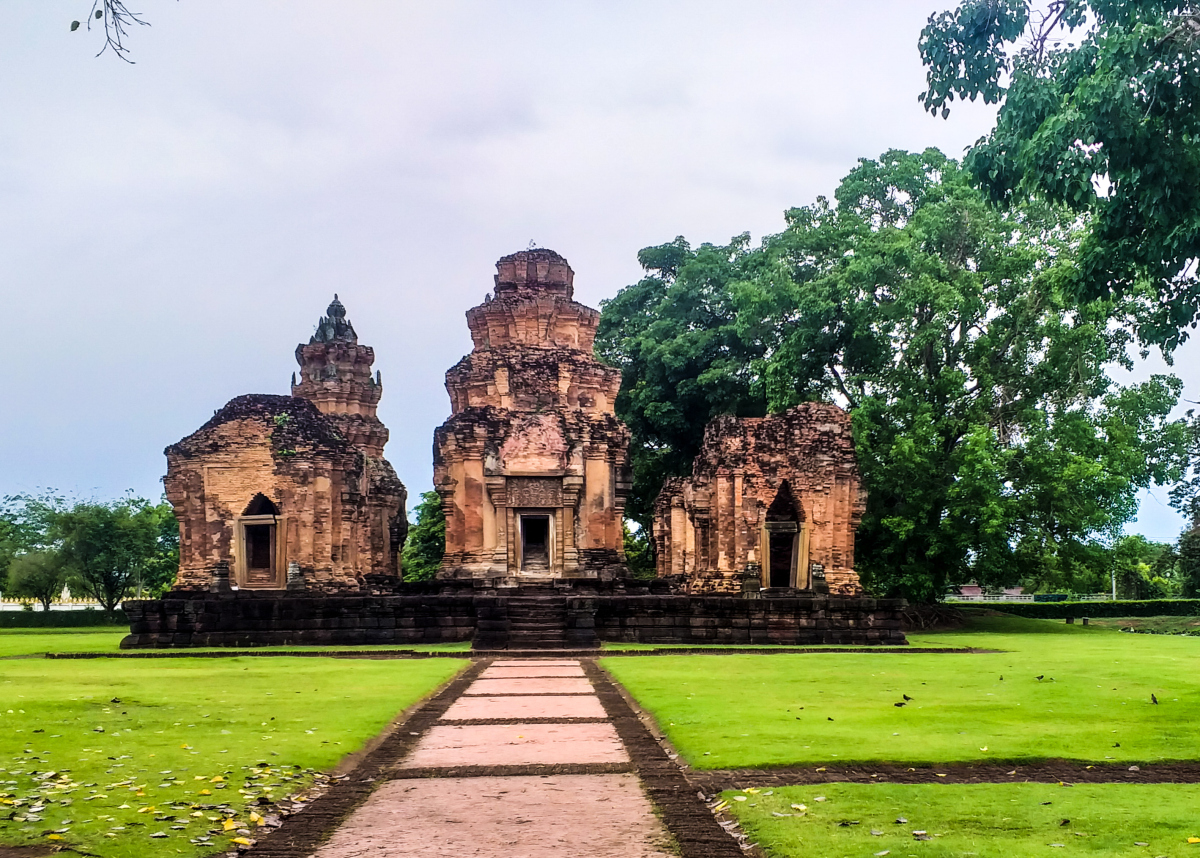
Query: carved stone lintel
[(535, 492)]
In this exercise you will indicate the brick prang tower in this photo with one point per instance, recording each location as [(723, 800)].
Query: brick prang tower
[(335, 376)]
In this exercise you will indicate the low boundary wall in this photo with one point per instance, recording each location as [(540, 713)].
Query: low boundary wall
[(295, 619)]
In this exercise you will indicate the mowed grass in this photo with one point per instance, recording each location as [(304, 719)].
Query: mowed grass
[(1092, 704), (984, 820), (17, 642), (103, 754), (23, 642)]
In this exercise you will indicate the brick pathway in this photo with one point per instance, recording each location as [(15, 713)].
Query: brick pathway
[(526, 762)]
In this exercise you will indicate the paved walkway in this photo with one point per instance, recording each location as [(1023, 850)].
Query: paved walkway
[(526, 763)]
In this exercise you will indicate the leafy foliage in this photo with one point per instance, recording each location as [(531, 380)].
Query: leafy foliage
[(426, 543), (991, 441), (110, 546), (1189, 563), (38, 575), (1100, 113), (639, 553), (107, 549), (684, 359)]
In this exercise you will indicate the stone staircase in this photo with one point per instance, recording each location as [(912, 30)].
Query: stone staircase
[(536, 617)]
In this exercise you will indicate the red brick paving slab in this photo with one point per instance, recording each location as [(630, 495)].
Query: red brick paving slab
[(541, 662), (580, 816), (550, 685), (527, 670), (447, 745), (480, 708)]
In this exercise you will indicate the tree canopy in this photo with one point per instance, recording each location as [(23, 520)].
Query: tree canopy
[(991, 440), (426, 542), (1099, 113), (108, 550)]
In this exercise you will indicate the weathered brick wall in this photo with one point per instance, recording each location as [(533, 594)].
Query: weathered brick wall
[(340, 511), (710, 525)]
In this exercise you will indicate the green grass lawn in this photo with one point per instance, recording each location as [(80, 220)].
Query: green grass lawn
[(1158, 625), (22, 642), (984, 820), (105, 754), (639, 647), (1093, 703)]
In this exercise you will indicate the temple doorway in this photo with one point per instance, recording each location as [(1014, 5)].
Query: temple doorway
[(258, 561), (786, 548), (535, 543)]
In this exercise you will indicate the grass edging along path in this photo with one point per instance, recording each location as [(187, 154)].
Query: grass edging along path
[(119, 758), (1092, 703), (693, 826), (984, 820), (302, 833)]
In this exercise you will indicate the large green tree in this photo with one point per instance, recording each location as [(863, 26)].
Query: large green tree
[(683, 355), (991, 440), (1100, 113)]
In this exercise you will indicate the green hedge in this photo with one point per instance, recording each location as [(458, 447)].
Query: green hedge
[(60, 619), (1125, 608)]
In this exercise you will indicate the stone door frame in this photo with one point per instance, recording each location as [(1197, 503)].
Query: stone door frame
[(240, 566), (553, 563)]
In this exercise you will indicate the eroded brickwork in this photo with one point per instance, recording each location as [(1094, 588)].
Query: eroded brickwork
[(780, 494), (278, 483), (532, 466)]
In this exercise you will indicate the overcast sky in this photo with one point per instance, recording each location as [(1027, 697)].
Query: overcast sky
[(172, 229)]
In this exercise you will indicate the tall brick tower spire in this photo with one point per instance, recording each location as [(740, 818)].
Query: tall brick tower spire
[(533, 464), (335, 375)]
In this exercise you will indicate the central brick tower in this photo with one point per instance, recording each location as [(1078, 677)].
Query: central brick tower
[(532, 466)]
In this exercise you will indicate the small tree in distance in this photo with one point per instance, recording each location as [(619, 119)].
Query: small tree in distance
[(38, 575)]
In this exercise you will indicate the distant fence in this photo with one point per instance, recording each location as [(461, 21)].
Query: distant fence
[(71, 604)]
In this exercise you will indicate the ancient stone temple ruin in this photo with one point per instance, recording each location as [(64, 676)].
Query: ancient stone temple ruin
[(532, 466), (291, 520), (278, 491), (778, 496)]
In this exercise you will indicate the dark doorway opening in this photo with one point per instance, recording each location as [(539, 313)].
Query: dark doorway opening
[(260, 553), (782, 559), (535, 543), (783, 537)]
